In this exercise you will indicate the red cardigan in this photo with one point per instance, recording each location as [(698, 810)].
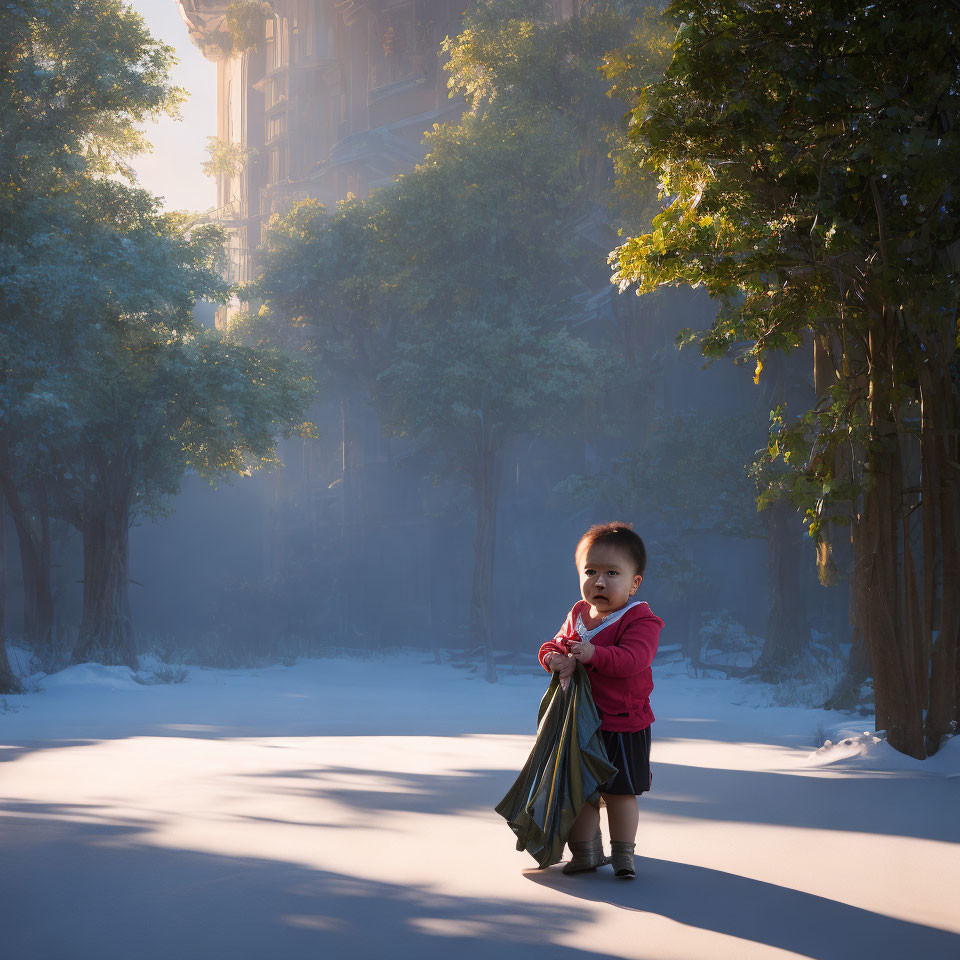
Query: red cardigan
[(620, 673)]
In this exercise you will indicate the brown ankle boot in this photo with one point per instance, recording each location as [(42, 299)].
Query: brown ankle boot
[(585, 855), (621, 856)]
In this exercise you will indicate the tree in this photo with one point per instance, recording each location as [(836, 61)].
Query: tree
[(687, 476), (808, 172), (78, 79), (118, 410), (515, 56), (226, 159), (9, 682), (448, 294), (792, 579), (324, 287), (109, 390), (490, 269), (57, 288), (189, 404), (151, 396)]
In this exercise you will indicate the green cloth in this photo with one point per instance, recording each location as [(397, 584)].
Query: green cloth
[(564, 771)]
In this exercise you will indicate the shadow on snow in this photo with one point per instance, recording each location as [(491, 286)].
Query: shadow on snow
[(753, 910), (93, 891)]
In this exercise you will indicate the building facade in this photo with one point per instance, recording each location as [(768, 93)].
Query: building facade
[(328, 98)]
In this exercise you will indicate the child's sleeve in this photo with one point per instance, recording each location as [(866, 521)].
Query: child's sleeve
[(635, 651), (551, 646), (559, 643)]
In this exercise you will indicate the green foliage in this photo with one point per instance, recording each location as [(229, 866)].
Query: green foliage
[(513, 59), (226, 159), (486, 217), (79, 78), (498, 43), (109, 391), (808, 176), (245, 23), (689, 476), (178, 401), (324, 289), (446, 292), (467, 386), (130, 387), (792, 466)]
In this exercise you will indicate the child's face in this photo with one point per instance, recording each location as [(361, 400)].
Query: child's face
[(608, 577)]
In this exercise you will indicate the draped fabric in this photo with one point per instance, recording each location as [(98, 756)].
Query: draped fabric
[(564, 771)]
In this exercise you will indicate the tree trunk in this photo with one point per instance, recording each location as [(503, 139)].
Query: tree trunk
[(788, 625), (944, 503), (33, 537), (951, 495), (846, 694), (3, 568), (486, 480), (106, 630), (8, 680), (352, 512), (788, 621), (881, 594)]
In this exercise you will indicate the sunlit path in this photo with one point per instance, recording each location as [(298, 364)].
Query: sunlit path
[(166, 819)]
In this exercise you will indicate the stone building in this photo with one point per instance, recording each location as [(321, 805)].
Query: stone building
[(329, 98)]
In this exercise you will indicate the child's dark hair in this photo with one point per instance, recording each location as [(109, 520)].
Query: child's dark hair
[(617, 535)]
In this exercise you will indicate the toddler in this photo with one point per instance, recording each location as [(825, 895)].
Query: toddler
[(615, 637)]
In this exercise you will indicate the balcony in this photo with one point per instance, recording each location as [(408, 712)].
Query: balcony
[(205, 24), (387, 90), (231, 214)]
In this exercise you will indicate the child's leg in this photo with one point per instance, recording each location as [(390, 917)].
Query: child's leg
[(623, 815), (586, 825)]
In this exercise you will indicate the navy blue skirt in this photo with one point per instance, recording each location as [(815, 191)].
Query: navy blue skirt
[(630, 754)]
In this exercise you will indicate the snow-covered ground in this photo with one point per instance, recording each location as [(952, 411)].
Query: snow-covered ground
[(343, 808)]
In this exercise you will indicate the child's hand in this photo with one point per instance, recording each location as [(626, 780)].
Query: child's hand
[(582, 651), (559, 663)]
